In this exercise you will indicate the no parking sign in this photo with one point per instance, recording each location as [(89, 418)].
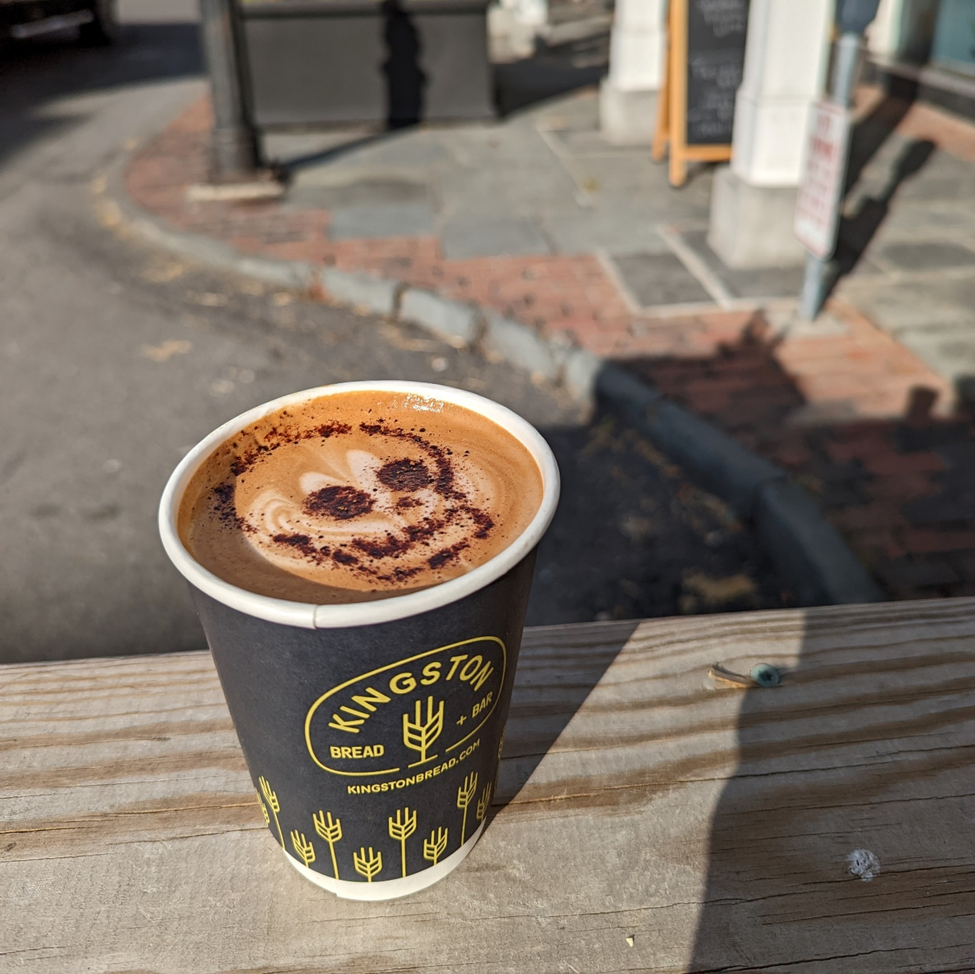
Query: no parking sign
[(818, 200)]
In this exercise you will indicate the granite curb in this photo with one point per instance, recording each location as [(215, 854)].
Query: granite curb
[(804, 546)]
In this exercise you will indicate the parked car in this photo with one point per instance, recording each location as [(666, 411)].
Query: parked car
[(96, 20)]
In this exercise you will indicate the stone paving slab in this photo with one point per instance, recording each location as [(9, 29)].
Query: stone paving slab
[(659, 279), (581, 230), (472, 236), (935, 220), (763, 283), (903, 307), (522, 191), (952, 346), (365, 192), (402, 153), (381, 220), (926, 255)]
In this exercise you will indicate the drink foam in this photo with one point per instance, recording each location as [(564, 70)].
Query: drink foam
[(358, 496)]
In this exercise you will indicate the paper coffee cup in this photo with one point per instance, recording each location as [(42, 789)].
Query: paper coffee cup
[(372, 730)]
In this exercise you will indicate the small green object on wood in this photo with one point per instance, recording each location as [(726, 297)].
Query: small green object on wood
[(765, 675)]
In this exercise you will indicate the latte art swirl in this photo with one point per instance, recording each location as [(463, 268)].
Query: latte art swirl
[(371, 516), (375, 501)]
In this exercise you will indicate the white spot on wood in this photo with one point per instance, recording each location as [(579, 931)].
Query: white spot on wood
[(863, 863)]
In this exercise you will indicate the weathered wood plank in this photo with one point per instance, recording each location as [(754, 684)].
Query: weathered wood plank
[(711, 826)]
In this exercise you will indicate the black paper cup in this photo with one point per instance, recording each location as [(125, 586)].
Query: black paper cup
[(372, 730)]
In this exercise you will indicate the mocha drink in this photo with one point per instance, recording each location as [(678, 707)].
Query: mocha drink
[(359, 496), (361, 556)]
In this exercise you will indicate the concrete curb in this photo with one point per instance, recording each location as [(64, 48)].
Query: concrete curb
[(804, 546)]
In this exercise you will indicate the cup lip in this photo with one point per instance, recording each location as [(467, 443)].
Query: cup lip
[(308, 615)]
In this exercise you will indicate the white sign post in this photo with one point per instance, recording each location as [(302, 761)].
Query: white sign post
[(821, 189), (821, 186)]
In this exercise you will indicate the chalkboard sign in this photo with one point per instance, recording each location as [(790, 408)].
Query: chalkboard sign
[(715, 57), (706, 54)]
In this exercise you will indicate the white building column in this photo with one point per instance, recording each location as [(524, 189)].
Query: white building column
[(883, 35), (753, 198), (628, 95)]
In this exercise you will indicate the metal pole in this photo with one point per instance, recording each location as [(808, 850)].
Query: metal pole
[(815, 280), (813, 293), (234, 150)]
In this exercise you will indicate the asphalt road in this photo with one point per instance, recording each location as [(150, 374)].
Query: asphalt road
[(115, 358)]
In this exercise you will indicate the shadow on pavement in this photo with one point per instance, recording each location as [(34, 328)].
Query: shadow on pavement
[(871, 133), (634, 538), (406, 82), (856, 231), (868, 138), (552, 71), (899, 489), (36, 74)]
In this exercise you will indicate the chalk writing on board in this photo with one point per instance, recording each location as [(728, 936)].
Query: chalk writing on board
[(715, 59), (724, 17), (713, 79)]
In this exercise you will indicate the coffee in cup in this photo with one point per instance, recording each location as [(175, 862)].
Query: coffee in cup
[(358, 496), (361, 558)]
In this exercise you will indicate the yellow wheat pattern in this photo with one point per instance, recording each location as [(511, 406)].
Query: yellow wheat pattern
[(272, 800), (368, 865), (331, 831), (303, 847), (465, 793), (433, 848), (260, 801), (483, 802), (420, 733), (401, 828)]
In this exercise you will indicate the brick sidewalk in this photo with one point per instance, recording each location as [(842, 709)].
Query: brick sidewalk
[(898, 482), (859, 420)]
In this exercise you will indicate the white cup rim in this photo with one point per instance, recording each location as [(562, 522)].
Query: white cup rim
[(310, 616)]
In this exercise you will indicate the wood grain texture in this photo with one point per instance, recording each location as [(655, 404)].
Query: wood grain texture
[(709, 826)]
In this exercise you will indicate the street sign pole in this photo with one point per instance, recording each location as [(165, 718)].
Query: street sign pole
[(852, 17), (234, 150), (815, 281)]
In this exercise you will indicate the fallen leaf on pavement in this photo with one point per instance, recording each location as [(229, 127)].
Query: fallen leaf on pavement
[(166, 350)]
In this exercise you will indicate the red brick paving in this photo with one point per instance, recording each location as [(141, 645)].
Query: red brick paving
[(900, 487), (853, 415)]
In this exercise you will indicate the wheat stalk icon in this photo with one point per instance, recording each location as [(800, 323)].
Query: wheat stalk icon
[(367, 865), (272, 800), (401, 828), (260, 801), (433, 848), (483, 802), (419, 734), (303, 847), (465, 793), (331, 831)]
